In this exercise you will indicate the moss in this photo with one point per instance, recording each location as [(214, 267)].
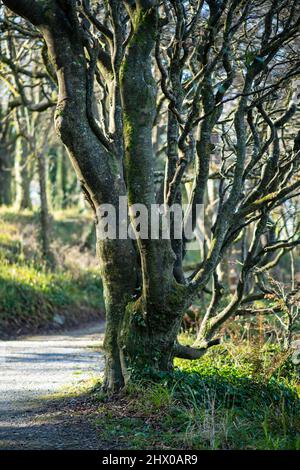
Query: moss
[(264, 199), (144, 36), (213, 244), (177, 296), (114, 165), (145, 21), (133, 316)]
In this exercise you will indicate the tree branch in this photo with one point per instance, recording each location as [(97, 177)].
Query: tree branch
[(188, 352)]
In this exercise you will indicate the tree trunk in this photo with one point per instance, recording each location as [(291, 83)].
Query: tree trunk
[(5, 176), (61, 180), (45, 225), (119, 282), (138, 339), (22, 177)]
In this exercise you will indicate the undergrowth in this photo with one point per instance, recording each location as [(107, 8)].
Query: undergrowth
[(222, 401)]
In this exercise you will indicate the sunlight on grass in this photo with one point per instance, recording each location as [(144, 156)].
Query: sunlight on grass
[(217, 402)]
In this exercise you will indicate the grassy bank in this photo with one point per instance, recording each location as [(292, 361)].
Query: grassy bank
[(32, 297)]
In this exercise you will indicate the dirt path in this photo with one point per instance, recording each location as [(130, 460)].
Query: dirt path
[(33, 367)]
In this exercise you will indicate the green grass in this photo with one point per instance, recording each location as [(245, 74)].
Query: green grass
[(237, 396), (222, 401), (31, 296)]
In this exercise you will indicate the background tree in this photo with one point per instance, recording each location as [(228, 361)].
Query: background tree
[(6, 164)]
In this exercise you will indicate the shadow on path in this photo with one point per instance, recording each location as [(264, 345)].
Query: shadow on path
[(32, 368)]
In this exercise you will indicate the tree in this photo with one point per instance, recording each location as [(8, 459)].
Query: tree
[(6, 163), (202, 69), (22, 167), (61, 187), (37, 144)]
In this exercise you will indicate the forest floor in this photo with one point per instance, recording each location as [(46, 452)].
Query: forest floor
[(34, 368)]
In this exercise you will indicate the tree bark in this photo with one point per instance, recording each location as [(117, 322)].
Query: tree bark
[(61, 180), (5, 176), (22, 177), (45, 223)]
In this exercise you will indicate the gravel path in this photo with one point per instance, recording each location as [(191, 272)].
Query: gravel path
[(33, 367)]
